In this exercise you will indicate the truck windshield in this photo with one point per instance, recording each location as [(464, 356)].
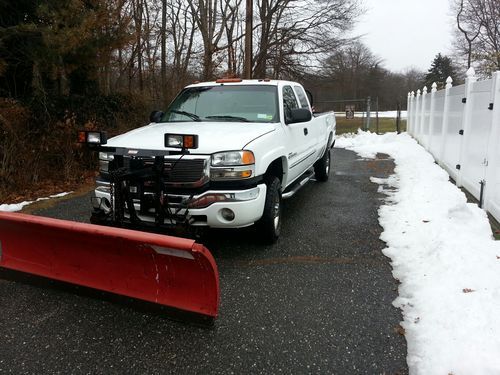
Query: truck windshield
[(244, 103)]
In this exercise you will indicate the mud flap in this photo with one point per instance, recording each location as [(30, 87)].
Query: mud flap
[(171, 271)]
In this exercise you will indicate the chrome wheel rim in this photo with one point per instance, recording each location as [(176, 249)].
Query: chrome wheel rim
[(327, 170), (276, 208)]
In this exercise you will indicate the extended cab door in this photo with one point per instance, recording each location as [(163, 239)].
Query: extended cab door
[(317, 126), (300, 139)]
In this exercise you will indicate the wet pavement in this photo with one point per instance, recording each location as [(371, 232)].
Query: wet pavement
[(318, 301)]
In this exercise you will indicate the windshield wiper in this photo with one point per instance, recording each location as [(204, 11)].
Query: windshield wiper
[(242, 119), (188, 114)]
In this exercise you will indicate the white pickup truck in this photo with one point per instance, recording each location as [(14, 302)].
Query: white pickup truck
[(223, 155)]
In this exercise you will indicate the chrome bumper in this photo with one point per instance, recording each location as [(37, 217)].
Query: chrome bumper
[(202, 210)]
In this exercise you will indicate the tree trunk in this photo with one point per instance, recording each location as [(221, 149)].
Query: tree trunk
[(163, 73)]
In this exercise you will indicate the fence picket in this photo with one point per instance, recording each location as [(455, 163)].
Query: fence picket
[(492, 186)]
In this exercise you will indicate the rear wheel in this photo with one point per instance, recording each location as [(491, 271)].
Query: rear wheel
[(269, 226), (322, 167)]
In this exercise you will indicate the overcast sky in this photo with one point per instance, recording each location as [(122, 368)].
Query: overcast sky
[(406, 33)]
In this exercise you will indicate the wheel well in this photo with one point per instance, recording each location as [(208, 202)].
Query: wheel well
[(275, 169), (330, 137)]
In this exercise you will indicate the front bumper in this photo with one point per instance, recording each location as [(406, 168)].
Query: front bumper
[(205, 209)]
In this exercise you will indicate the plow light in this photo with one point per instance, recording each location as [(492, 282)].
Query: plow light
[(181, 140), (92, 137)]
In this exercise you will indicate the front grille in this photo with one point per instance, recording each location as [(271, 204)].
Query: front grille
[(182, 171)]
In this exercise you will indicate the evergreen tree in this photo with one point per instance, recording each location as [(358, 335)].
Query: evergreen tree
[(441, 68)]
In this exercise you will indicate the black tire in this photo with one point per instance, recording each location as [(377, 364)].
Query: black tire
[(269, 226), (322, 167)]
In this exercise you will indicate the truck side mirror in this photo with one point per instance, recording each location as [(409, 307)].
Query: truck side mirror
[(299, 115), (156, 116)]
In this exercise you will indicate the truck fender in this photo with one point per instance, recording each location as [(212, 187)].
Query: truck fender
[(272, 158), (331, 141)]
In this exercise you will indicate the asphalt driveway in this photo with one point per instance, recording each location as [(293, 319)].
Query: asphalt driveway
[(318, 301)]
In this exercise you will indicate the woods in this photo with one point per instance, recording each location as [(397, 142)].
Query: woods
[(71, 64), (153, 48), (105, 64)]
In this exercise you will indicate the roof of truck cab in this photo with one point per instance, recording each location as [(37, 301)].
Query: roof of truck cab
[(264, 82)]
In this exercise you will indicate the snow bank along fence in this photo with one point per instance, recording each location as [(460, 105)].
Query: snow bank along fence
[(460, 127)]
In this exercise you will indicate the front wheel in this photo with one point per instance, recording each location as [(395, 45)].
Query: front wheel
[(269, 226), (322, 167)]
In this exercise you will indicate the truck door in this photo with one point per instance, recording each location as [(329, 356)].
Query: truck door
[(301, 144), (316, 128)]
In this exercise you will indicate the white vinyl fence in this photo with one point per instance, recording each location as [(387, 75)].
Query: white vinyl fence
[(460, 127)]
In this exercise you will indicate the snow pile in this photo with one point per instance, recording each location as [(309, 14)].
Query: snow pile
[(19, 206), (443, 254)]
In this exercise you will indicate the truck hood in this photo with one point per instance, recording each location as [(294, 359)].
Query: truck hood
[(212, 136)]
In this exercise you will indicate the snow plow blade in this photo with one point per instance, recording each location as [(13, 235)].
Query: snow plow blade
[(165, 270)]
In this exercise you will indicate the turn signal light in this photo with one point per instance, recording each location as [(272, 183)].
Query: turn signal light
[(247, 157)]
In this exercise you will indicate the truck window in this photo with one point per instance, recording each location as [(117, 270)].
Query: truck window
[(240, 103), (289, 102), (302, 96)]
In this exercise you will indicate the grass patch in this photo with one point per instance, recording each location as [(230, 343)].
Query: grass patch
[(385, 125), (40, 205)]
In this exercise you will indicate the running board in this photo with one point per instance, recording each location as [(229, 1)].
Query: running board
[(304, 179)]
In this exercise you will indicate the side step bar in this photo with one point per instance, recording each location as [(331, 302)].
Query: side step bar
[(304, 179)]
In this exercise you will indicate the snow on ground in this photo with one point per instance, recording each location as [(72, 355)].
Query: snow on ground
[(444, 255), (19, 206)]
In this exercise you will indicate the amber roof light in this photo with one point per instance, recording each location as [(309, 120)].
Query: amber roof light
[(229, 80)]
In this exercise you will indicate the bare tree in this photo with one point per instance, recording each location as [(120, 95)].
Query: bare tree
[(211, 18), (182, 34), (488, 14), (469, 35), (478, 22), (163, 36), (349, 69), (294, 35)]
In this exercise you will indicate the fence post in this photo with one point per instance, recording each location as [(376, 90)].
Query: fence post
[(408, 113), (418, 115), (412, 99), (413, 109), (423, 139), (368, 114), (446, 118), (493, 169), (466, 120), (398, 118), (431, 116)]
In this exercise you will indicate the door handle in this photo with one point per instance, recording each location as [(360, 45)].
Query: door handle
[(306, 131)]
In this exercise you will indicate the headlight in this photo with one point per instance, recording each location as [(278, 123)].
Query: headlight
[(232, 165), (232, 158), (104, 159)]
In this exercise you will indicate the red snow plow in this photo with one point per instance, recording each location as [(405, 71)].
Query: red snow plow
[(165, 270)]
